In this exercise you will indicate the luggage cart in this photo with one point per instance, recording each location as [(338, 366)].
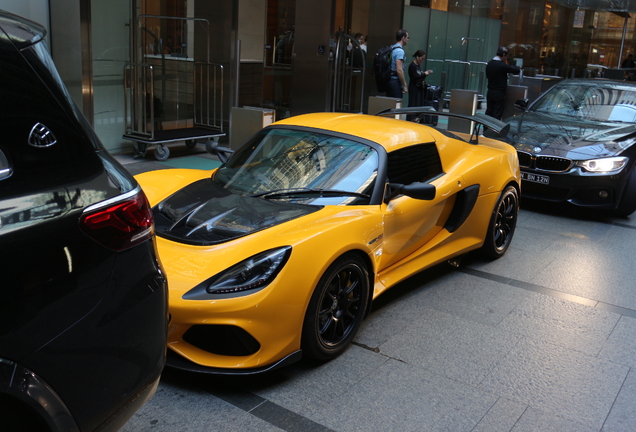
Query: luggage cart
[(170, 97)]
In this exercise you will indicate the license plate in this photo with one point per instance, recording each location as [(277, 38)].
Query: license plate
[(535, 178)]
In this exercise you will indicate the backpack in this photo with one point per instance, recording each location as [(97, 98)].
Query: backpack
[(382, 66)]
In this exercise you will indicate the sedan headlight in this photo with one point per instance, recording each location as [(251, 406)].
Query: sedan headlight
[(252, 273), (604, 165)]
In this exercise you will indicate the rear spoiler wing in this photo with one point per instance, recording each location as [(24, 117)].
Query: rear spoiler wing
[(500, 128)]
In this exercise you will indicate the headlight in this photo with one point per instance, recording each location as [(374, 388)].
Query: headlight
[(253, 273), (604, 165)]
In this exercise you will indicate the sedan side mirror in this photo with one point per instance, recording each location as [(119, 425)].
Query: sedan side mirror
[(417, 190), (522, 104)]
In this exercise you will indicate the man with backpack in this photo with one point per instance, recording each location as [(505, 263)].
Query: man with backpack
[(388, 66), (397, 82)]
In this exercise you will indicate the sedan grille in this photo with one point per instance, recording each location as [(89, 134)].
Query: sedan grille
[(544, 163)]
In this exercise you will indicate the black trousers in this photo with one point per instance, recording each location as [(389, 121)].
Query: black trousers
[(496, 101)]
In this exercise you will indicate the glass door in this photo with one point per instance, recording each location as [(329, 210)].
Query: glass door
[(110, 38), (279, 51)]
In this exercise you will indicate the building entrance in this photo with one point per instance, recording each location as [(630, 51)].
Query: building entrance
[(315, 60)]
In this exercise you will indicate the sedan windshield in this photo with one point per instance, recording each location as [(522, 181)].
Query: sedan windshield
[(303, 167), (606, 102)]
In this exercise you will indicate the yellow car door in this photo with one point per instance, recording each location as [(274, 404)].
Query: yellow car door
[(409, 223)]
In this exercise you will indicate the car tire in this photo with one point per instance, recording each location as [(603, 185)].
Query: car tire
[(190, 143), (502, 224), (336, 308), (162, 152), (627, 204)]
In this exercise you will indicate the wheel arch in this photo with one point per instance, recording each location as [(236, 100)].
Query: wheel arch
[(370, 270), (26, 391), (312, 343), (516, 186)]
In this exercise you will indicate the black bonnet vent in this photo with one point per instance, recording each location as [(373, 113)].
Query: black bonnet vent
[(204, 213)]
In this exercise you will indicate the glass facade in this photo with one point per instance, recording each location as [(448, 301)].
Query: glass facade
[(545, 37), (457, 45), (554, 39)]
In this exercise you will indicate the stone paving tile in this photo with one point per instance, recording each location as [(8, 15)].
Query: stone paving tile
[(622, 418), (458, 349), (501, 417), (595, 271), (534, 420), (404, 398), (186, 409), (564, 323), (620, 240), (554, 379), (527, 238), (459, 294), (380, 326), (507, 266), (397, 308), (561, 224), (303, 386), (621, 345), (470, 298)]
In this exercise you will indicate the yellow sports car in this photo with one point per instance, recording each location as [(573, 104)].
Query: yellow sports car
[(278, 253)]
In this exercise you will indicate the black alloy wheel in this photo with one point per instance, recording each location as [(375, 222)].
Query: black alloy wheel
[(502, 224), (336, 308)]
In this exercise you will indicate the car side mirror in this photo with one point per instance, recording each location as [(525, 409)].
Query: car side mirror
[(522, 104), (417, 190)]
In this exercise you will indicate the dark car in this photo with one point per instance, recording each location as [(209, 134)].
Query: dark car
[(576, 144), (83, 298)]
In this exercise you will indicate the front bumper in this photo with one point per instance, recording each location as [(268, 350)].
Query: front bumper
[(244, 333), (599, 191), (176, 361)]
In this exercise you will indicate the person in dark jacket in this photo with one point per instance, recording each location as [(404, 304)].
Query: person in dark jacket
[(417, 83), (497, 71)]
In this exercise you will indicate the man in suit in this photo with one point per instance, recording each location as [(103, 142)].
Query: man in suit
[(497, 71)]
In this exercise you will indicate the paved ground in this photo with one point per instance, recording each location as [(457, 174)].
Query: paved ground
[(544, 340)]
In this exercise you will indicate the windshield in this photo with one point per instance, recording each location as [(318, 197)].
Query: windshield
[(301, 166), (602, 101)]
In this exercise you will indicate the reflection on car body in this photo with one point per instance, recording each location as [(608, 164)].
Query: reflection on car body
[(575, 145), (280, 251)]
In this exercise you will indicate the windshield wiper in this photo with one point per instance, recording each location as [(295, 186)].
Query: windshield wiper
[(278, 193)]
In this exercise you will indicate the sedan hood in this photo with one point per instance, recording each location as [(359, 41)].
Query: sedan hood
[(203, 213), (567, 137)]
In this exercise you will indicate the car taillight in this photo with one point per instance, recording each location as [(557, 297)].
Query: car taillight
[(121, 224)]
